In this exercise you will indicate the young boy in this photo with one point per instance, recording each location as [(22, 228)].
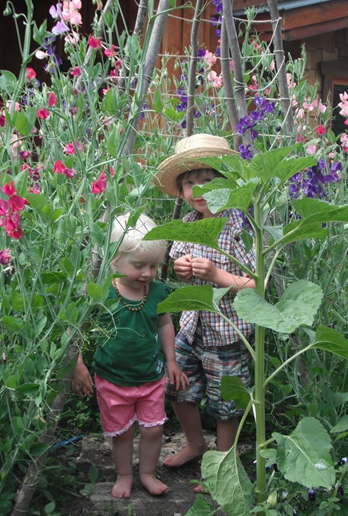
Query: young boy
[(207, 347)]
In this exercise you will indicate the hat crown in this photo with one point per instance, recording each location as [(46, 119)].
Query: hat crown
[(201, 141)]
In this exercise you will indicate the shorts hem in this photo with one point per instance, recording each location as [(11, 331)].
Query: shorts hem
[(155, 423), (122, 430)]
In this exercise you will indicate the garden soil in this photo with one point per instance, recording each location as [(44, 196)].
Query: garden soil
[(175, 502)]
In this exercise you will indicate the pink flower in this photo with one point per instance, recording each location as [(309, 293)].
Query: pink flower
[(75, 72), (72, 38), (36, 189), (4, 207), (70, 148), (322, 108), (311, 150), (2, 120), (12, 226), (215, 79), (43, 113), (69, 172), (52, 100), (5, 257), (99, 185), (31, 74), (60, 28), (209, 58), (59, 167), (17, 203), (9, 189), (320, 130), (110, 52), (94, 42)]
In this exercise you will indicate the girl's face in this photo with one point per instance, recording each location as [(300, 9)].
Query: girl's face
[(198, 177), (140, 268)]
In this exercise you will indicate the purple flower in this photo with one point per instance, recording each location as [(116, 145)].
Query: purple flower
[(245, 152), (60, 28), (56, 11)]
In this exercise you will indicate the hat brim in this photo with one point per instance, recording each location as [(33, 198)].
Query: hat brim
[(172, 167)]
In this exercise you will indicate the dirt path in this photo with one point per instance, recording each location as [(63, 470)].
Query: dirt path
[(175, 502)]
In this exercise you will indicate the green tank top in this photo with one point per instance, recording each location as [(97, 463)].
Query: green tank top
[(129, 351)]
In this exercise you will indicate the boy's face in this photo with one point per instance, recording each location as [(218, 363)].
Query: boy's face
[(198, 177)]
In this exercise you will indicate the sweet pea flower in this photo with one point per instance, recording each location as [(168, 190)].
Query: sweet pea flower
[(59, 167), (110, 52), (52, 99), (320, 130), (2, 120), (60, 28), (17, 203), (215, 79), (5, 257), (12, 226), (31, 74), (9, 189), (94, 43), (311, 150), (56, 11), (72, 38), (4, 207), (75, 72), (70, 148), (43, 113), (99, 185), (39, 54), (210, 59)]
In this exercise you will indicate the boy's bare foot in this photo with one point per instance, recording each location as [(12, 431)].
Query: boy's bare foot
[(185, 455), (122, 487), (152, 484), (201, 489)]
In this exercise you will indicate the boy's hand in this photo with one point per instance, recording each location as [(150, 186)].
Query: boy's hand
[(183, 267), (176, 376), (204, 269), (82, 383)]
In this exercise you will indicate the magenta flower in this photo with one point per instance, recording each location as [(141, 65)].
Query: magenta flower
[(52, 100), (59, 167), (94, 42), (2, 120), (70, 148), (31, 74), (17, 203), (43, 113), (12, 226), (9, 189), (4, 207), (24, 154), (75, 72), (110, 52), (5, 257), (99, 185)]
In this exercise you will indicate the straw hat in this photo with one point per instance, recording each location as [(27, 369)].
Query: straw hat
[(187, 151)]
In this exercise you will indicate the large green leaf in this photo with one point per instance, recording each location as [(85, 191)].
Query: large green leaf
[(239, 198), (304, 455), (342, 426), (232, 388), (307, 207), (201, 507), (331, 340), (228, 482), (264, 164), (298, 230), (297, 307), (205, 232), (189, 298)]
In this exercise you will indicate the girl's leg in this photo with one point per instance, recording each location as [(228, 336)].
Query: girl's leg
[(122, 447), (190, 419), (149, 451)]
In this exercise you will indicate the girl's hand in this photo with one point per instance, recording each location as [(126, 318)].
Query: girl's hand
[(82, 383), (204, 269), (176, 376), (183, 267)]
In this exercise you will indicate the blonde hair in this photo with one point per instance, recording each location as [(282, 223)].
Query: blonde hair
[(132, 238)]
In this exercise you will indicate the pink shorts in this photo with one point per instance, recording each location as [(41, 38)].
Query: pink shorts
[(121, 406)]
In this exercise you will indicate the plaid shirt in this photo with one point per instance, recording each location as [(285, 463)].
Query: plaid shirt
[(214, 329)]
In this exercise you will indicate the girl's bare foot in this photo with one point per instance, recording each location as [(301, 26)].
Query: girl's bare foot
[(122, 487), (152, 484), (185, 455)]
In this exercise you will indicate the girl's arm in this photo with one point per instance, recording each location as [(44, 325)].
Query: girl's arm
[(167, 337), (82, 383)]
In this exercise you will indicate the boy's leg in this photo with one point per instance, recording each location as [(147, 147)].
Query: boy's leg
[(149, 452), (190, 419), (122, 447), (226, 433)]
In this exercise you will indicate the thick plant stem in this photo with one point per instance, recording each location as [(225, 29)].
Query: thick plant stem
[(260, 366)]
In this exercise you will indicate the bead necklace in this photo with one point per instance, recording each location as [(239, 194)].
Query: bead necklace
[(129, 307)]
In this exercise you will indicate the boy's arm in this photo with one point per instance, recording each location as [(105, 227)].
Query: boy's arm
[(183, 267), (204, 269), (167, 337), (82, 383)]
